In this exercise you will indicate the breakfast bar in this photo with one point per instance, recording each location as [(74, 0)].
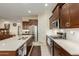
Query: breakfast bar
[(16, 45)]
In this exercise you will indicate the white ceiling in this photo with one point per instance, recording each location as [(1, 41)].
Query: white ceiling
[(16, 10)]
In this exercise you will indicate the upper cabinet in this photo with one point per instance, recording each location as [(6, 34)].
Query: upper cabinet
[(33, 22), (26, 24), (64, 16), (55, 16), (74, 15), (68, 15), (50, 21), (56, 13)]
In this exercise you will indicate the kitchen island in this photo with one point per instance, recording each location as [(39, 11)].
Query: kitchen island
[(16, 45)]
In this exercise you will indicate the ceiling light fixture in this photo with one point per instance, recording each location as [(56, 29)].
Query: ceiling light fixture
[(46, 4), (29, 11)]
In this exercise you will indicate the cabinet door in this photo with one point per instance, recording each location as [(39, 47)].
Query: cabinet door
[(74, 14), (64, 16), (25, 24), (56, 50), (59, 51), (50, 21), (33, 22), (29, 44), (56, 13)]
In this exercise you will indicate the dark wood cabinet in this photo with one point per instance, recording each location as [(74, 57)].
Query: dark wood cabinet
[(33, 22), (55, 16), (56, 13), (68, 15), (59, 51), (64, 16), (74, 14), (56, 50), (50, 21), (8, 53), (26, 24)]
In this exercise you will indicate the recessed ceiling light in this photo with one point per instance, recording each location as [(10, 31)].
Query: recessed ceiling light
[(29, 11), (46, 4)]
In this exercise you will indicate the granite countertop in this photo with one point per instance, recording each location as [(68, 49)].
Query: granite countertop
[(70, 46), (13, 43)]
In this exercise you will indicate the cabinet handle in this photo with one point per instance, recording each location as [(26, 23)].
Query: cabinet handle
[(67, 24)]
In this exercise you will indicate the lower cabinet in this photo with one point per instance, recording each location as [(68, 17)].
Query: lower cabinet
[(59, 51), (8, 53), (25, 49), (29, 45), (56, 51)]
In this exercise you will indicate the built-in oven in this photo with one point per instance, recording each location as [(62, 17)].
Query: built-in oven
[(55, 24)]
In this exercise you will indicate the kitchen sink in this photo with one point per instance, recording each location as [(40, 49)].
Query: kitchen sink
[(22, 38)]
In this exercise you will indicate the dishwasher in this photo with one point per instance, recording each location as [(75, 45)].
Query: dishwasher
[(49, 43)]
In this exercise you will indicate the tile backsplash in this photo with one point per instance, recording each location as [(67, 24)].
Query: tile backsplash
[(72, 34)]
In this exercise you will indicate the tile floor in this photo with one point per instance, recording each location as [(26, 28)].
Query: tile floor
[(44, 49), (36, 51)]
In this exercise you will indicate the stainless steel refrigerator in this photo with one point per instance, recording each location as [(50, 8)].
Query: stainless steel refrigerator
[(34, 30)]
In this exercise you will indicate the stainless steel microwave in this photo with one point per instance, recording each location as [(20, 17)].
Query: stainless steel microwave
[(55, 24)]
